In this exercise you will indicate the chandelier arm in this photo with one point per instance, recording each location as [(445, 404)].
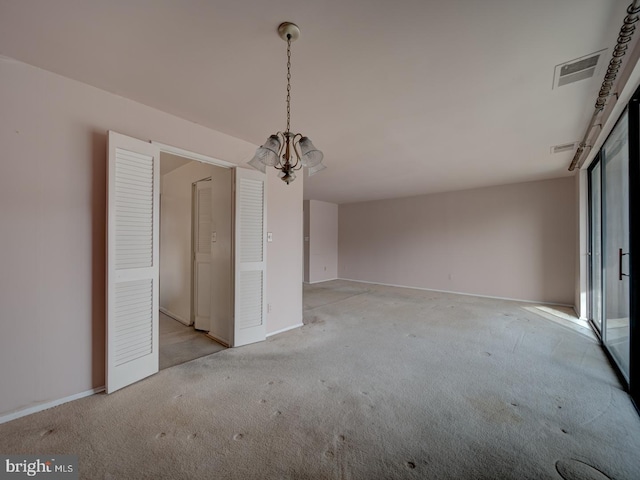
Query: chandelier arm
[(298, 164), (287, 152), (296, 148), (281, 149)]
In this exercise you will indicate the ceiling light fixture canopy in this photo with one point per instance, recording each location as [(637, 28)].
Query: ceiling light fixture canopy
[(287, 151)]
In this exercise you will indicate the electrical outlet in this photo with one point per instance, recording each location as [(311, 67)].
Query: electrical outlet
[(269, 237), (268, 308)]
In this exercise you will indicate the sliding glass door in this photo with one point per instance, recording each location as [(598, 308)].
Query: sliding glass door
[(632, 261), (614, 193), (615, 244)]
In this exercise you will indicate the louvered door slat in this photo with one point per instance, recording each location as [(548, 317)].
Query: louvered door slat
[(130, 318), (130, 310), (132, 295), (133, 321), (128, 183), (130, 331), (134, 342), (133, 309)]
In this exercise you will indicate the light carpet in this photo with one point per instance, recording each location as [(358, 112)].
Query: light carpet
[(381, 383)]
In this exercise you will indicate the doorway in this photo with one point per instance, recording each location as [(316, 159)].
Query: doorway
[(195, 228), (133, 256)]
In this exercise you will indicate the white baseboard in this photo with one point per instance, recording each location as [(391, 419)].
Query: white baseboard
[(322, 281), (459, 293), (222, 342), (286, 329), (46, 405), (175, 316)]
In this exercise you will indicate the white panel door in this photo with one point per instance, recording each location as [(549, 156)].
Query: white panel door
[(202, 223), (133, 202), (249, 258)]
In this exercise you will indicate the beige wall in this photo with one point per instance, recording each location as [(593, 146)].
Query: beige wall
[(513, 241), (323, 241), (284, 253), (305, 235), (52, 227)]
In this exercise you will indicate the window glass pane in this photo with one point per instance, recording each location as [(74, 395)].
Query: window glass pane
[(596, 247), (615, 154)]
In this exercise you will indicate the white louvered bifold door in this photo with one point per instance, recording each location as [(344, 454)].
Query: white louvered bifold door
[(132, 260), (250, 258), (202, 223)]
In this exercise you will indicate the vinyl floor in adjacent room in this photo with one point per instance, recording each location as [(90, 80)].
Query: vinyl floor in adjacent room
[(180, 343), (380, 383)]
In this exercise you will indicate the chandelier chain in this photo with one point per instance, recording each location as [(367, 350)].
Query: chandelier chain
[(288, 81)]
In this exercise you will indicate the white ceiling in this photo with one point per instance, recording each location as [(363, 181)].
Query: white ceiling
[(404, 97)]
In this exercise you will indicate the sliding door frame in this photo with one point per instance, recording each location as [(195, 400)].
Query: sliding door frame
[(632, 384), (634, 248), (597, 328)]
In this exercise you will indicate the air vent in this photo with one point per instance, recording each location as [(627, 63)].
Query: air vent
[(578, 69), (565, 147)]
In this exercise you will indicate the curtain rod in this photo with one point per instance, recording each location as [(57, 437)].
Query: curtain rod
[(624, 37)]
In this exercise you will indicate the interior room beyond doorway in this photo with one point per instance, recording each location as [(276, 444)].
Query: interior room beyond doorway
[(181, 299)]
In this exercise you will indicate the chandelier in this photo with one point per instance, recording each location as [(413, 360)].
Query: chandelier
[(288, 151)]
